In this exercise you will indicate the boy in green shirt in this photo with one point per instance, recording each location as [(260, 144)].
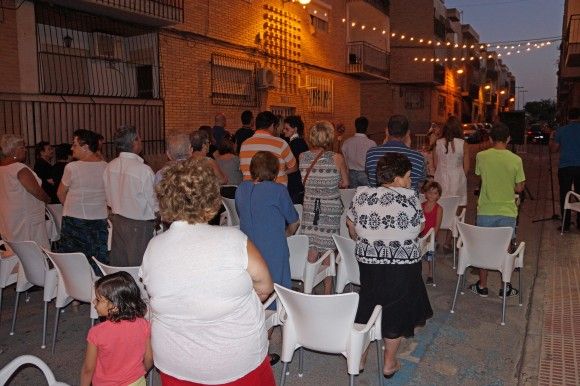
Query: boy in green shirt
[(502, 175)]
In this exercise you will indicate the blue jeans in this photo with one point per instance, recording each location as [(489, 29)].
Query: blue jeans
[(497, 221), (357, 178)]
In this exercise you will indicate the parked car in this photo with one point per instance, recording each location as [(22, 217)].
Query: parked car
[(475, 132), (538, 133)]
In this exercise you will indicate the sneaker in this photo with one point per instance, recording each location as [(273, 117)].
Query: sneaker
[(429, 280), (476, 289), (510, 291)]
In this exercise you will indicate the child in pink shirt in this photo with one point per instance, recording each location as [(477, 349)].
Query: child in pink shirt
[(118, 349), (433, 213)]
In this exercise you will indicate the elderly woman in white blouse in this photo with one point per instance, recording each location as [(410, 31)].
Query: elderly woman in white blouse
[(205, 284), (22, 200), (82, 191)]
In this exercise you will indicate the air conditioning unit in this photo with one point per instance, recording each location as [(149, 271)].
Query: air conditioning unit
[(267, 78), (108, 47)]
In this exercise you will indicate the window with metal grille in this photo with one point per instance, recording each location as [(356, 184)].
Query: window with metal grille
[(414, 99), (320, 94), (233, 81), (318, 23)]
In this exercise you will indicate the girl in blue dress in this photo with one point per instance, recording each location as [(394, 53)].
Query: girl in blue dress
[(267, 215)]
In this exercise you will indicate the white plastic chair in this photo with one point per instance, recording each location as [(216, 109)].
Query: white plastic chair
[(310, 274), (347, 271), (346, 196), (133, 271), (34, 271), (449, 220), (569, 205), (231, 212), (109, 235), (300, 209), (76, 282), (8, 270), (427, 244), (272, 317), (326, 323), (7, 371), (487, 248)]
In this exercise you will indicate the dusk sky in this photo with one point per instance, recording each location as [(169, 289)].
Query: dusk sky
[(503, 20)]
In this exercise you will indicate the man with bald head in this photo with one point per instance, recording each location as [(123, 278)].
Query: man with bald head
[(178, 149), (219, 129)]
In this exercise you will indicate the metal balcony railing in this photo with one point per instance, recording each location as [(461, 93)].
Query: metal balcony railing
[(84, 54), (571, 43), (366, 60), (55, 122), (166, 9)]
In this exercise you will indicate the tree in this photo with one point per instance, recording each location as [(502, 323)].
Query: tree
[(543, 110)]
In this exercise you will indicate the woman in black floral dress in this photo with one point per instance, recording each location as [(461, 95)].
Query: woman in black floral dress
[(385, 222)]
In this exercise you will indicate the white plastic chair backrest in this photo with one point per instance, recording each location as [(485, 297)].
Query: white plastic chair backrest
[(8, 266), (568, 204), (230, 205), (449, 205), (346, 196), (318, 322), (32, 259), (52, 229), (298, 246), (109, 234), (56, 212), (75, 273), (348, 261), (299, 208), (7, 371), (484, 247), (133, 271)]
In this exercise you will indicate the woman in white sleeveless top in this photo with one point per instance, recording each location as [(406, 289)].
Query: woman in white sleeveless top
[(451, 160), (22, 200)]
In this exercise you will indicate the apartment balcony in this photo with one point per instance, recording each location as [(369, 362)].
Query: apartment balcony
[(367, 61), (571, 48), (155, 13), (381, 5)]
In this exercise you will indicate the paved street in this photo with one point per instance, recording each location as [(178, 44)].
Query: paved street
[(540, 343)]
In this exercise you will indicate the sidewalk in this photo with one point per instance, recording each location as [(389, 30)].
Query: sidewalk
[(469, 347)]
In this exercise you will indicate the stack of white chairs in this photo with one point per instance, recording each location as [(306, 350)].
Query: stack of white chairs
[(347, 271), (487, 248), (450, 219), (34, 271), (8, 371), (76, 282), (325, 323), (8, 270), (310, 274)]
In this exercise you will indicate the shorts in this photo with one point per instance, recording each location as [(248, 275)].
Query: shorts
[(429, 256), (497, 221)]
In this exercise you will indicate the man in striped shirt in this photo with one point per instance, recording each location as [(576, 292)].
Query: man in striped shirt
[(398, 141), (264, 140)]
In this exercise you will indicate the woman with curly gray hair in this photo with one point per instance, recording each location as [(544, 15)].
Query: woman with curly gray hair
[(206, 284), (22, 200)]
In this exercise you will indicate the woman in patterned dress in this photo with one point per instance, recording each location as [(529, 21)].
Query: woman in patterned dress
[(385, 222), (323, 173)]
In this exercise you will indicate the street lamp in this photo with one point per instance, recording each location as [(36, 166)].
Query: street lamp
[(487, 87)]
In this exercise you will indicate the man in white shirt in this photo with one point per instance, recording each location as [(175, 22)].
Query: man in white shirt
[(131, 197), (354, 151)]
